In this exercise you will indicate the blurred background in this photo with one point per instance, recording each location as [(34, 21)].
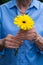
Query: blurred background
[(4, 1)]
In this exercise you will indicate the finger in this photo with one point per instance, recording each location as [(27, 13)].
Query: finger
[(13, 47), (20, 35), (10, 40), (20, 38), (7, 43), (13, 42), (21, 31), (31, 35), (11, 36), (16, 42), (32, 30)]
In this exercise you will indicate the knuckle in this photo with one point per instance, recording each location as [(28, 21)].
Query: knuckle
[(6, 42), (6, 39), (9, 35)]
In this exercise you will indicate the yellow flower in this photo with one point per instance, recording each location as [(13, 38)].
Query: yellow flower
[(25, 22)]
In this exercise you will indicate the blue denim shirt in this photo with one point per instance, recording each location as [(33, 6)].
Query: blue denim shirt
[(28, 53)]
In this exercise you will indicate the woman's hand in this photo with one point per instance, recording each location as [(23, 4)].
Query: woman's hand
[(13, 41), (31, 34)]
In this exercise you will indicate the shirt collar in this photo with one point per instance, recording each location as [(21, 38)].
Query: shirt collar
[(34, 3), (11, 4)]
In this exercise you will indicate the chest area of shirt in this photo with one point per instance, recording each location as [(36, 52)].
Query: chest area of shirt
[(10, 28)]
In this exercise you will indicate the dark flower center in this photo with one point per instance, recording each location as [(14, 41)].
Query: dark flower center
[(24, 21)]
